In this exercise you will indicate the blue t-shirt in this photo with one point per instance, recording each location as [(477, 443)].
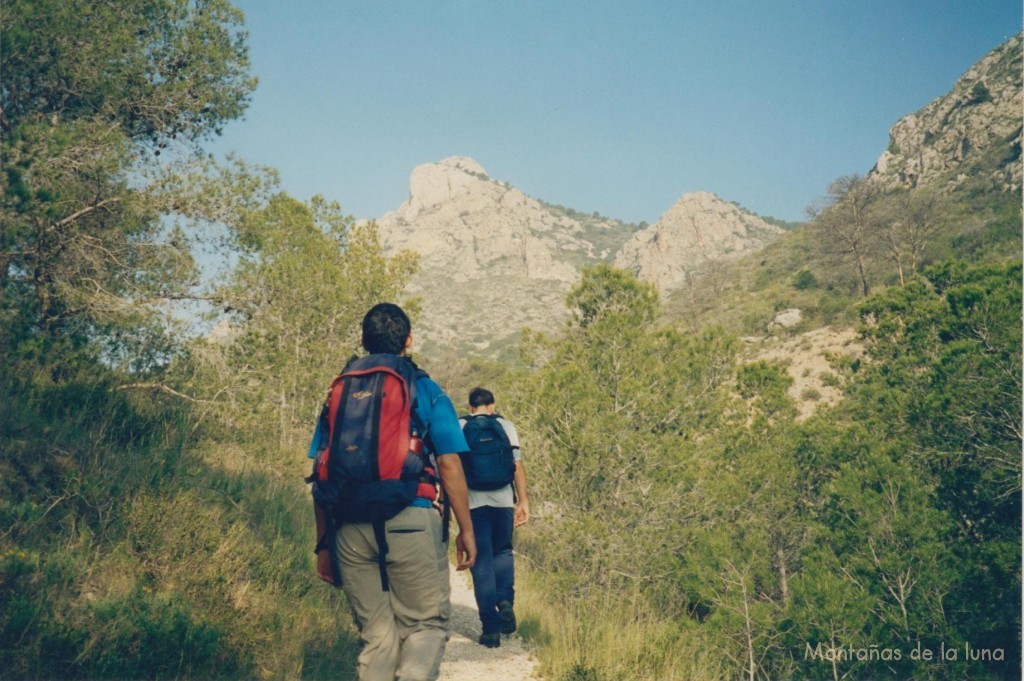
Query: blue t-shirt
[(443, 433), (435, 411)]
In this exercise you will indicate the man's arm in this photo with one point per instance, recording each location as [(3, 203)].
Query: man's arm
[(323, 558), (522, 501), (522, 512), (453, 479)]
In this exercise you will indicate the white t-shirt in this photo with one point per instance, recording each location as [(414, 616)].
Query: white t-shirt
[(503, 497)]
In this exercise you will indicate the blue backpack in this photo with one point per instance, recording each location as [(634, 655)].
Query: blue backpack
[(489, 463)]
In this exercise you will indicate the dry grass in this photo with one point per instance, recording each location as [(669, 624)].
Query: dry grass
[(615, 637), (806, 358)]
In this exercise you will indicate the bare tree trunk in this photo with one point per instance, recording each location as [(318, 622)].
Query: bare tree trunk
[(751, 661), (895, 249), (861, 270), (783, 575)]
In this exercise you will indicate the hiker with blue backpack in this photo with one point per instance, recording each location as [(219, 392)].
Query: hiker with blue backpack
[(498, 503), (386, 438)]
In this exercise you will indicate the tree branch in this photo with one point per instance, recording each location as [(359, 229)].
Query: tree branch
[(85, 211), (162, 388)]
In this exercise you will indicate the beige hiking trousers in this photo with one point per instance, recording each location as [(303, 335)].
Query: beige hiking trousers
[(403, 630)]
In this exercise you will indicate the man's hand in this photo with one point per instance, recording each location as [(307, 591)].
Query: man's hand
[(465, 550), (323, 567), (522, 514), (323, 557), (522, 501)]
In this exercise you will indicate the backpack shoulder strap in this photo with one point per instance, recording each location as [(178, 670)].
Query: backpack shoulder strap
[(495, 425), (415, 375)]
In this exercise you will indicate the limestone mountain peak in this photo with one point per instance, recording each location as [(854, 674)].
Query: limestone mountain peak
[(460, 220), (434, 183), (973, 130), (486, 246), (698, 229)]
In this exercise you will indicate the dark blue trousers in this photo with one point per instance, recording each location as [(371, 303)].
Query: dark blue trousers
[(493, 573)]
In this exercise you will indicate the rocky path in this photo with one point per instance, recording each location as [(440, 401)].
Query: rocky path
[(467, 660)]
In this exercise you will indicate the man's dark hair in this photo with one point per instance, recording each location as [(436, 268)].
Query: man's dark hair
[(480, 397), (385, 328)]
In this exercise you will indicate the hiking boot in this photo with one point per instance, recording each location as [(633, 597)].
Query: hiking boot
[(490, 640), (508, 617)]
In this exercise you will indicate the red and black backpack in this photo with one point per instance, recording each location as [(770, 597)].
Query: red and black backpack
[(373, 464)]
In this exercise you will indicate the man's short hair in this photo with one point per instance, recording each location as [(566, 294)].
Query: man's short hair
[(385, 329), (480, 397)]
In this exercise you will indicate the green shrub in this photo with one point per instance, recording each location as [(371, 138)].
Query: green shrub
[(148, 635), (810, 395), (581, 672), (830, 380), (980, 94), (804, 279)]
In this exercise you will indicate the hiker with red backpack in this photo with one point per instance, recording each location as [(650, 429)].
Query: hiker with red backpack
[(386, 437), (498, 503)]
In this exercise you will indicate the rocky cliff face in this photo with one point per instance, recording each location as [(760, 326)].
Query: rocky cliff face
[(975, 128), (698, 229), (467, 226), (494, 260)]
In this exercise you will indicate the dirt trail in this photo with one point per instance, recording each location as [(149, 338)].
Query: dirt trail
[(467, 660)]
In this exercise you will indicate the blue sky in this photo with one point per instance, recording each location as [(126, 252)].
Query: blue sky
[(618, 107)]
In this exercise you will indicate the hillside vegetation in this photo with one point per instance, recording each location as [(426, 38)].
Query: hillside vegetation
[(687, 524), (693, 524), (683, 496), (153, 523), (804, 270)]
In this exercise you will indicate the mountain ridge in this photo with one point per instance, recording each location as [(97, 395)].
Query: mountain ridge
[(495, 260), (948, 139), (699, 228), (486, 246)]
